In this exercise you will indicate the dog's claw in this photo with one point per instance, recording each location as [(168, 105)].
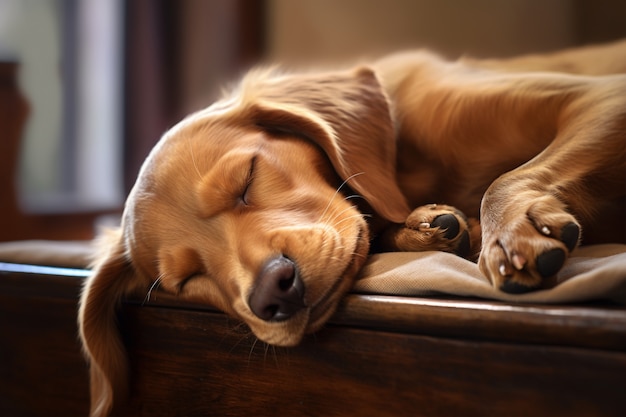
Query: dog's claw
[(518, 261), (465, 246), (570, 233)]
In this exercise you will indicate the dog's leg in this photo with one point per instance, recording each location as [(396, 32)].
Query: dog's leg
[(531, 217), (434, 227)]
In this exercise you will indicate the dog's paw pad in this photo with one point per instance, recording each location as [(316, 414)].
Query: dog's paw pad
[(550, 262), (435, 227), (464, 248), (512, 287), (529, 250), (570, 234), (448, 223)]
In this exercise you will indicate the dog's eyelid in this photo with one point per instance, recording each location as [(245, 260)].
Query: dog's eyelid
[(249, 180), (188, 278)]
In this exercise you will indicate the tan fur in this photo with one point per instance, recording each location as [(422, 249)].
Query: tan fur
[(311, 166)]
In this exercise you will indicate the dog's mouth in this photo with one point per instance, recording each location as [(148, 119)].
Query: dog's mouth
[(326, 306)]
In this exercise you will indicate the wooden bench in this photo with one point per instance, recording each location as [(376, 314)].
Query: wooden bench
[(379, 355)]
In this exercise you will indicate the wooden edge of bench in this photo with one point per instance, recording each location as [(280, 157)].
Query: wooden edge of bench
[(593, 325)]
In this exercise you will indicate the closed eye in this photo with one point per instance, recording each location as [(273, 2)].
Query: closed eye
[(245, 195), (188, 278)]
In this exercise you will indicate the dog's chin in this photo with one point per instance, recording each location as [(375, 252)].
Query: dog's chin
[(286, 333), (309, 320)]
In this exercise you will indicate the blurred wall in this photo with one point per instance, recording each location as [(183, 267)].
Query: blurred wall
[(30, 33), (341, 29)]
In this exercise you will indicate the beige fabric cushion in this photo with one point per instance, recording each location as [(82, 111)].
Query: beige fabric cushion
[(591, 273)]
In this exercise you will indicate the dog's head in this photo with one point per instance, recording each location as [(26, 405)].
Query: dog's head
[(244, 206)]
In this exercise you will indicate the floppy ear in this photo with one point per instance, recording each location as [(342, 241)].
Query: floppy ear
[(348, 115), (99, 332)]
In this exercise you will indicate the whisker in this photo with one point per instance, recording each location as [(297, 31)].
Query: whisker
[(337, 192), (256, 339), (193, 160), (353, 216), (154, 285), (353, 196), (267, 346), (355, 207), (275, 355), (335, 228), (336, 215), (241, 339)]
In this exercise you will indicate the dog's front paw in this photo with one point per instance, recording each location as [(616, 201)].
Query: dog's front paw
[(530, 248), (435, 227)]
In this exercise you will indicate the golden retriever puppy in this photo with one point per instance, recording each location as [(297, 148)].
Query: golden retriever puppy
[(267, 203)]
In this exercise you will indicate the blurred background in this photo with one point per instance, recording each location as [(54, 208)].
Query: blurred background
[(87, 87)]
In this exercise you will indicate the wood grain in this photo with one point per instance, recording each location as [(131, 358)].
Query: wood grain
[(379, 355), (219, 369)]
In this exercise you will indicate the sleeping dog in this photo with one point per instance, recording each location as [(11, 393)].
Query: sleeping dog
[(267, 203)]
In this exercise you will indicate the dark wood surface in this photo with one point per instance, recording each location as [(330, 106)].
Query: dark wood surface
[(42, 372), (379, 355), (219, 369)]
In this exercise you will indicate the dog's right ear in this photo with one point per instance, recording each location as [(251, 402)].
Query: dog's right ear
[(97, 320)]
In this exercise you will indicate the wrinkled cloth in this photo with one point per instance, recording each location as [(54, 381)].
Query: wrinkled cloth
[(595, 272)]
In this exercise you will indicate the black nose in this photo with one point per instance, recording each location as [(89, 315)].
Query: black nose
[(279, 292)]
